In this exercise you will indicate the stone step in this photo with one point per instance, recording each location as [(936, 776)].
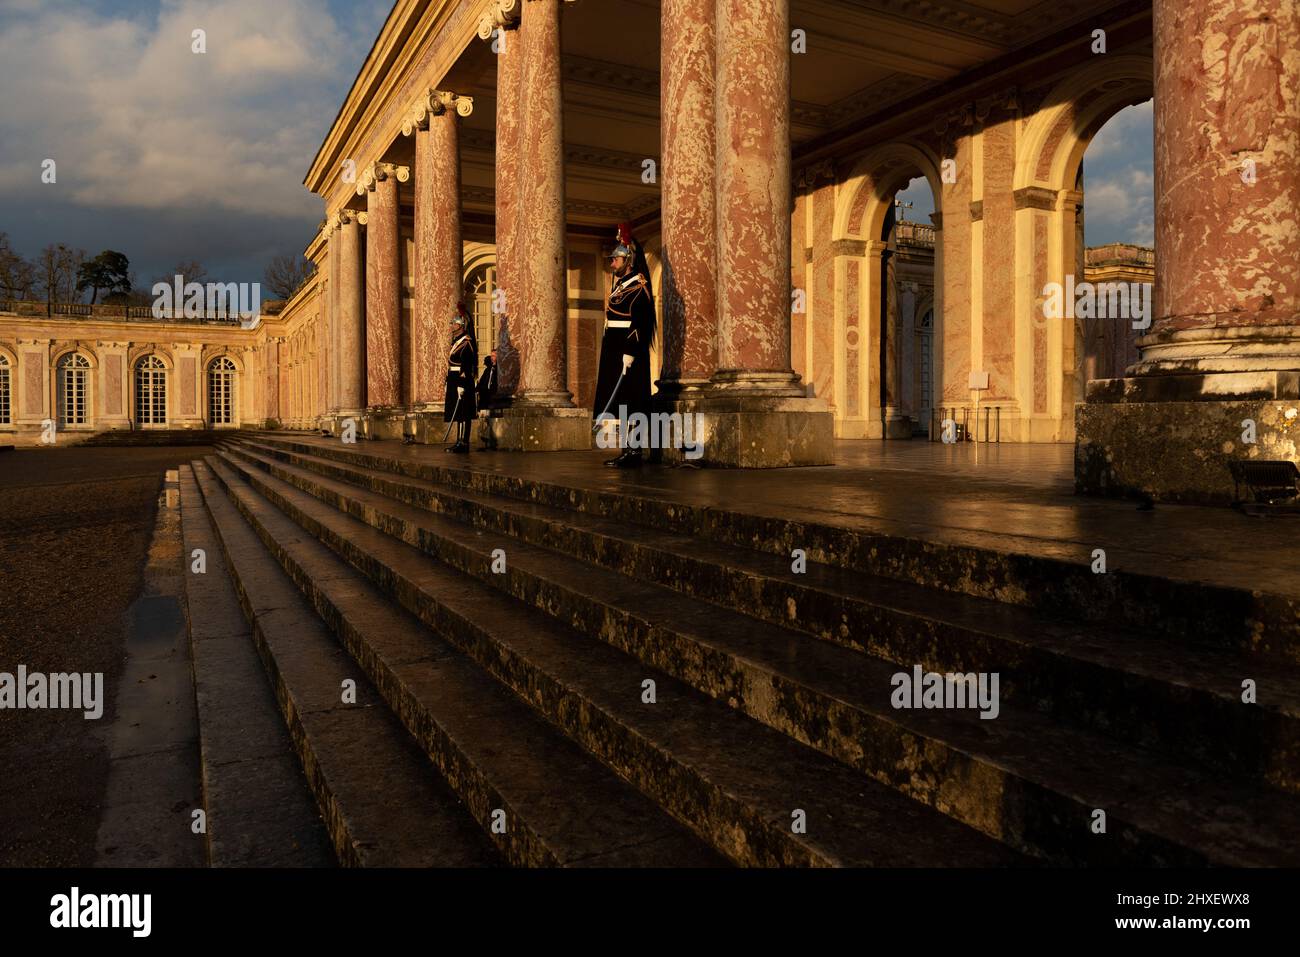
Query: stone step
[(260, 811), (735, 782), (1141, 689), (552, 803), (1060, 584), (1022, 778), (383, 804)]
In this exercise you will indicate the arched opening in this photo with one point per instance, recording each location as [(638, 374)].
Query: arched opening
[(221, 392), (891, 374), (1116, 248), (5, 414), (907, 285), (480, 291), (151, 392), (73, 390)]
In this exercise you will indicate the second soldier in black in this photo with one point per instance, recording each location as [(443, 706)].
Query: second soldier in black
[(462, 363), (623, 382)]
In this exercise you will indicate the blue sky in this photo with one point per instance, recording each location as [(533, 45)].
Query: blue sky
[(164, 154), (1118, 196)]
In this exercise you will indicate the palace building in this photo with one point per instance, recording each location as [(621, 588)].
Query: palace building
[(488, 148)]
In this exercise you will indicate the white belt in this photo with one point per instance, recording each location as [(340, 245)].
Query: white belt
[(618, 323), (454, 368)]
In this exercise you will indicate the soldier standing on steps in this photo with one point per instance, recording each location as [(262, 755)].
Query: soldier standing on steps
[(623, 382), (487, 390), (462, 363)]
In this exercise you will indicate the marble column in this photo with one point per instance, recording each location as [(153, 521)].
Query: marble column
[(383, 290), (500, 28), (439, 255), (542, 374), (1219, 374), (754, 413), (688, 199), (351, 322), (752, 113)]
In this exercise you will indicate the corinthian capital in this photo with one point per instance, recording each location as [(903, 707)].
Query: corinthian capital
[(377, 173), (435, 103)]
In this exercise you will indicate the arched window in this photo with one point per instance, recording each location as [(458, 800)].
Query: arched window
[(151, 391), (479, 291), (4, 391), (73, 386), (221, 391)]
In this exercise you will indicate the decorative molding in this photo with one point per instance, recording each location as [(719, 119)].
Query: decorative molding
[(502, 14), (435, 103), (849, 247), (1035, 197), (378, 172), (823, 171)]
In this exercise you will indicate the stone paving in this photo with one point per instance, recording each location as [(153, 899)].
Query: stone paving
[(1010, 498)]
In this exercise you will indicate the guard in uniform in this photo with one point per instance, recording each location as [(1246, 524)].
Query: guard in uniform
[(486, 392), (462, 363), (624, 377)]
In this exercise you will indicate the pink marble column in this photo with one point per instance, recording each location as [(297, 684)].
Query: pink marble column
[(1227, 185), (688, 198), (541, 238), (500, 28), (752, 113), (332, 315), (439, 253), (383, 286), (351, 322)]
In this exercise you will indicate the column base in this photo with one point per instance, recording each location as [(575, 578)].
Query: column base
[(525, 427), (1170, 438), (382, 423), (746, 431)]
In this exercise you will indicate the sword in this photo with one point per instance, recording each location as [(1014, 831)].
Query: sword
[(460, 394), (613, 395)]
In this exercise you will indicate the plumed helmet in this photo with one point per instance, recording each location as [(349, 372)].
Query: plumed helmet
[(461, 318), (624, 244)]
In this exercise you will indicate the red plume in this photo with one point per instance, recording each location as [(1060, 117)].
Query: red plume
[(460, 308), (625, 233)]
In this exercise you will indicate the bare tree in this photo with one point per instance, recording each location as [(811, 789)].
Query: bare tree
[(17, 275), (286, 274), (190, 270), (56, 272)]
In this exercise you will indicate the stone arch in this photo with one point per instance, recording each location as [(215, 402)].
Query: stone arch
[(1055, 138), (880, 173), (84, 349), (136, 353), (867, 345), (1053, 144)]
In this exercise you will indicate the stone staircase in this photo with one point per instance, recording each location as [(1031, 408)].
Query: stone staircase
[(504, 635)]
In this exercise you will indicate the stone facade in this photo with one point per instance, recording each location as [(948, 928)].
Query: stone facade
[(515, 132)]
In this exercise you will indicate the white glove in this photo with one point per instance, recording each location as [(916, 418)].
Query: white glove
[(460, 391), (627, 361)]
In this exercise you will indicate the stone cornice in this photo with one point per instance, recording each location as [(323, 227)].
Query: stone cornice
[(377, 173), (435, 103)]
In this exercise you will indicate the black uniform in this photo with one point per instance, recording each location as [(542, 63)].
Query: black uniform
[(487, 383), (462, 363), (629, 329)]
